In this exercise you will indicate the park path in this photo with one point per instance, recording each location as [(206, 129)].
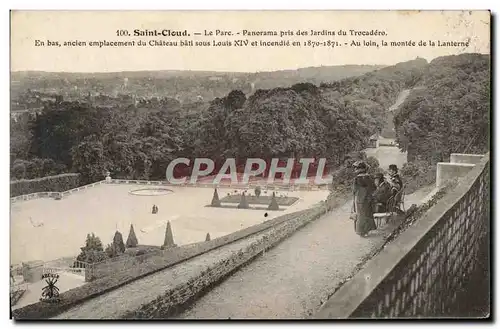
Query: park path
[(293, 279)]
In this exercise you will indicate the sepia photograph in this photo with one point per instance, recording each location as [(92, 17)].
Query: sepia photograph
[(243, 165)]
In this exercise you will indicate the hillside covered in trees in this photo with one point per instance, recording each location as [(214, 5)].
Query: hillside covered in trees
[(330, 121), (448, 111)]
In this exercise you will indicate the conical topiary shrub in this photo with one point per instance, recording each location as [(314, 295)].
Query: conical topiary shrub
[(132, 239), (274, 204), (215, 199), (243, 203), (258, 191), (118, 242), (169, 238), (207, 238)]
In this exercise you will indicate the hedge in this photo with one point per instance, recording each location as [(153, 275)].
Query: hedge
[(57, 183)]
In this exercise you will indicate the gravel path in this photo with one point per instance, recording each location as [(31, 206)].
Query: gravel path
[(113, 304), (297, 276)]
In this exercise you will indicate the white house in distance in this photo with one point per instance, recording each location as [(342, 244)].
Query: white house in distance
[(374, 141), (377, 140)]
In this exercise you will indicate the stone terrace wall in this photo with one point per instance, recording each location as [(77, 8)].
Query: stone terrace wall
[(435, 268)]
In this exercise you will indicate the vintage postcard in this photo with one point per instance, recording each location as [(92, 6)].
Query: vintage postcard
[(250, 164)]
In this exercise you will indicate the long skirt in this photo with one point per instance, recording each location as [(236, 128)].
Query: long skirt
[(364, 218)]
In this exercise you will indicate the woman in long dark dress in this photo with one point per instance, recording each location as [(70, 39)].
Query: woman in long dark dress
[(363, 200)]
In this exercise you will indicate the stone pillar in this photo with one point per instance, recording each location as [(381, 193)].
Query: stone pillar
[(169, 238), (448, 171)]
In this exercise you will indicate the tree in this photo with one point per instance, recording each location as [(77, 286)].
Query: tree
[(274, 204), (118, 242), (89, 160), (243, 202), (449, 113), (234, 100), (111, 251), (132, 239), (169, 238)]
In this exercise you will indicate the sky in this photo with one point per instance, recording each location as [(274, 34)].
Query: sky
[(399, 26)]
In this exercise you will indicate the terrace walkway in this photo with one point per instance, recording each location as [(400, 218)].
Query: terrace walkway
[(293, 279)]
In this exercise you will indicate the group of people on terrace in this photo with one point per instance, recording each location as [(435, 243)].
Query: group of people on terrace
[(374, 194)]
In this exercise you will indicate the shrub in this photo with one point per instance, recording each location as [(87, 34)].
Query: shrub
[(257, 191), (92, 252), (273, 205), (373, 163), (35, 168), (111, 251), (132, 239), (118, 242)]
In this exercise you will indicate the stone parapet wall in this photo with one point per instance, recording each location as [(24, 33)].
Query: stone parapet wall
[(54, 195)]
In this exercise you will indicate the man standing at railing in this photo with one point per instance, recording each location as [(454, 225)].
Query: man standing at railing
[(396, 185)]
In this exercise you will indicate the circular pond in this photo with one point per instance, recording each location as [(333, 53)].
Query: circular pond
[(153, 191)]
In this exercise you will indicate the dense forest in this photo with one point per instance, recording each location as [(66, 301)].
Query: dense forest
[(448, 111)]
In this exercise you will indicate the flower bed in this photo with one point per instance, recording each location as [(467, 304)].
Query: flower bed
[(58, 183)]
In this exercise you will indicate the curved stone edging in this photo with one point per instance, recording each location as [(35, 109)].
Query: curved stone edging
[(164, 190)]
